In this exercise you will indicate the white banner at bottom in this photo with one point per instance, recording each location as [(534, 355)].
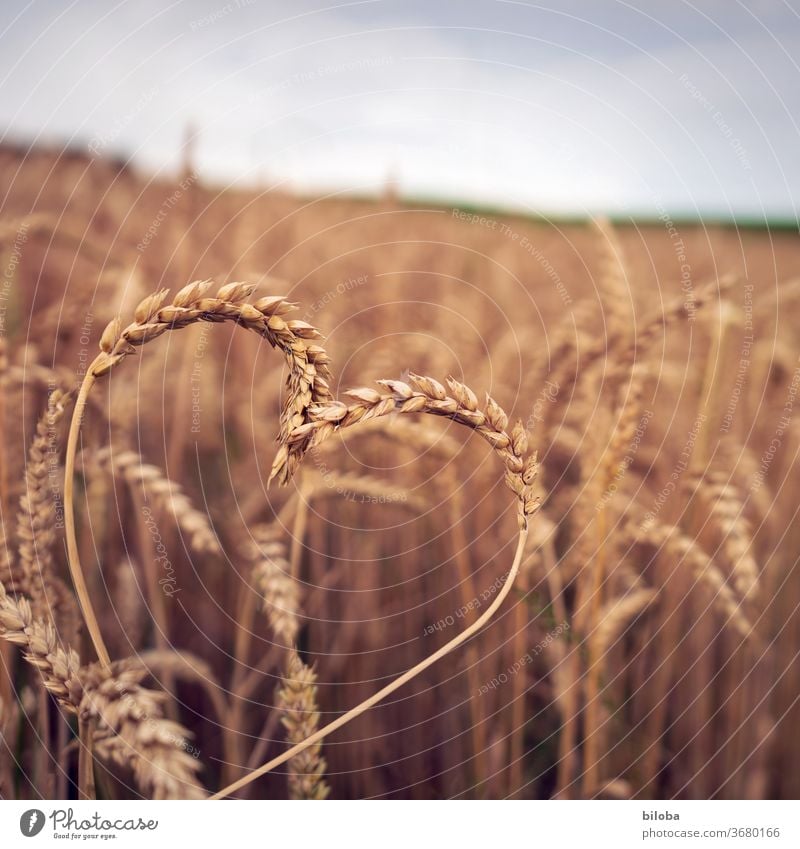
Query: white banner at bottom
[(401, 824)]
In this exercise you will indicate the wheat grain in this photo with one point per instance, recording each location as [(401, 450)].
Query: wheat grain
[(149, 480), (426, 395), (131, 731), (37, 517), (59, 667), (617, 615), (297, 700), (278, 590), (727, 509), (307, 382), (613, 279)]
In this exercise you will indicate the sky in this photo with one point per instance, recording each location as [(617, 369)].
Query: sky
[(569, 107)]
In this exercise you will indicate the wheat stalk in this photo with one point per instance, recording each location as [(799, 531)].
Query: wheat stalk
[(307, 382), (420, 394)]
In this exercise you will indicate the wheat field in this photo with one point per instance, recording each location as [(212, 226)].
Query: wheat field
[(506, 502)]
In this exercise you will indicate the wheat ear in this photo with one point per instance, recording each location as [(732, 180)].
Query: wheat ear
[(129, 729), (297, 700), (307, 383), (37, 527), (167, 494), (421, 394)]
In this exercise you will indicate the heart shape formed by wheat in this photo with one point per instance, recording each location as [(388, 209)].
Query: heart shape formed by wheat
[(309, 416)]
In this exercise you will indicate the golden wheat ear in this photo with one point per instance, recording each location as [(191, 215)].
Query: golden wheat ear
[(307, 383), (420, 395)]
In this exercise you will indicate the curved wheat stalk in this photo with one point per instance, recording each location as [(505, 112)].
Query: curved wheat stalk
[(307, 383), (420, 394)]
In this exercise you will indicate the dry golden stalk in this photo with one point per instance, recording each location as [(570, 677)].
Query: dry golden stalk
[(423, 394), (147, 479), (9, 717), (307, 383), (610, 467), (130, 730), (681, 548), (297, 701), (426, 395)]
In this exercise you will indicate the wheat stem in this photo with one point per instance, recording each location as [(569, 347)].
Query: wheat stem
[(78, 579), (389, 688)]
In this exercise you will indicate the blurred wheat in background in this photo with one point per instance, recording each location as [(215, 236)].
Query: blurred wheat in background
[(648, 644)]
